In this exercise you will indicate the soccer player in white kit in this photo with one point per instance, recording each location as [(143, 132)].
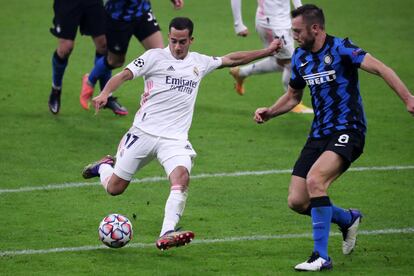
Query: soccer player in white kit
[(160, 129), (272, 21)]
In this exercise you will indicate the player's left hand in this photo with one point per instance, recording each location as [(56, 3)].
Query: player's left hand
[(178, 4)]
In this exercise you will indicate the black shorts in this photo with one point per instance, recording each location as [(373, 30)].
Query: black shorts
[(347, 143), (89, 15), (118, 33)]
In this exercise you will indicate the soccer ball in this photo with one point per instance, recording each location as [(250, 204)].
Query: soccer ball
[(115, 230)]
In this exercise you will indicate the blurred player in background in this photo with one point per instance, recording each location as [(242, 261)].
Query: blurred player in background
[(89, 16), (328, 65), (272, 20), (124, 19), (239, 27), (172, 77)]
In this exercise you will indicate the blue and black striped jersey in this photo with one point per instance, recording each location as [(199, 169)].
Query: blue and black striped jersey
[(332, 77), (127, 10)]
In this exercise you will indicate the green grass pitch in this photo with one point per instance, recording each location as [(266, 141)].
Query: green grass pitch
[(242, 223)]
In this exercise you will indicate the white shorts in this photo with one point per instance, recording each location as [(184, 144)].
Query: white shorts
[(267, 35), (138, 148)]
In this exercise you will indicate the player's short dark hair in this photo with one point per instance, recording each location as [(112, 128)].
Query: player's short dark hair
[(311, 14), (182, 23)]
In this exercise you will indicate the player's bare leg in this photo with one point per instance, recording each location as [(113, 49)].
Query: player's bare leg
[(103, 168), (298, 198), (323, 172)]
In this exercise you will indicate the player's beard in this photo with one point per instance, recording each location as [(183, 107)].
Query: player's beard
[(308, 40), (307, 44)]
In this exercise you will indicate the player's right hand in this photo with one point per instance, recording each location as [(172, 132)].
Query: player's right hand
[(410, 104), (261, 115), (99, 101), (276, 45)]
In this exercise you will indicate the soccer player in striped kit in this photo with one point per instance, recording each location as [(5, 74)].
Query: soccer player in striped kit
[(328, 65), (89, 17)]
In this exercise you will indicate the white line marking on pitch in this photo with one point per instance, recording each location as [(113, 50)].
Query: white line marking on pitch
[(197, 176), (409, 230)]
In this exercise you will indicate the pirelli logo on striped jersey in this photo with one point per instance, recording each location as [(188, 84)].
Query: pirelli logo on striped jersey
[(320, 78)]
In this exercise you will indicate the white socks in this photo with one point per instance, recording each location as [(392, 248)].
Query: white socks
[(237, 16), (174, 209), (105, 173), (266, 65)]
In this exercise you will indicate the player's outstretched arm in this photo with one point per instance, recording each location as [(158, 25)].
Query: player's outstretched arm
[(113, 84), (244, 57), (375, 66), (284, 104)]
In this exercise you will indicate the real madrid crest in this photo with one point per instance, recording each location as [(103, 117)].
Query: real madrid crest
[(327, 59), (195, 70)]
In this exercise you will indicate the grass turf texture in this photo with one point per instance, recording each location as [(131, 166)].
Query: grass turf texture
[(39, 149)]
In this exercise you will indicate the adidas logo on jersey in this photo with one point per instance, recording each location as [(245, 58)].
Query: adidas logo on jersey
[(170, 68)]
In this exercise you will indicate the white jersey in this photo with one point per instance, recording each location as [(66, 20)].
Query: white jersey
[(171, 87), (275, 14)]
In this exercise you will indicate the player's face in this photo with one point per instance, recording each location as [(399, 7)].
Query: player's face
[(179, 42), (302, 33)]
